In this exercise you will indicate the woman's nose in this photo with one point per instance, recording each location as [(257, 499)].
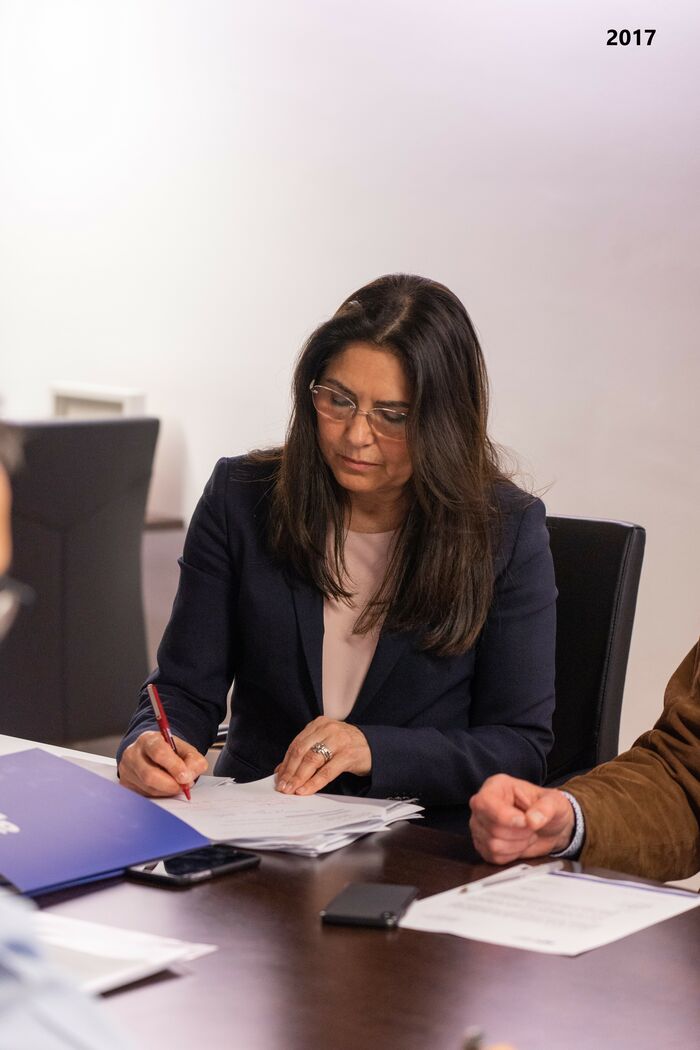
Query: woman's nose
[(358, 430)]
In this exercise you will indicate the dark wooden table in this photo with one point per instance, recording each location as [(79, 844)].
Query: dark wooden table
[(282, 981)]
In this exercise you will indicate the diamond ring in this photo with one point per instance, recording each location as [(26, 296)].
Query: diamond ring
[(321, 749)]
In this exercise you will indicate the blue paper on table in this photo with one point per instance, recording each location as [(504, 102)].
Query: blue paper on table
[(75, 826)]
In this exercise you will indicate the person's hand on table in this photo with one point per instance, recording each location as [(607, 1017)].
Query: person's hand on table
[(151, 767), (512, 818), (339, 748)]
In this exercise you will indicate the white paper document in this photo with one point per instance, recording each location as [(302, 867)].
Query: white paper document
[(99, 957), (258, 817), (561, 913)]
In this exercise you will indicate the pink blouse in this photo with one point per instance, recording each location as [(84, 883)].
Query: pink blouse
[(347, 656)]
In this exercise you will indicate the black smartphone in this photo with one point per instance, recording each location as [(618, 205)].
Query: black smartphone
[(195, 865), (369, 904)]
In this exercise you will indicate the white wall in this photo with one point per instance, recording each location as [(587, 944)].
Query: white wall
[(187, 188)]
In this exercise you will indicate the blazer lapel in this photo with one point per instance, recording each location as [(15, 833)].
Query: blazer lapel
[(390, 647), (308, 604)]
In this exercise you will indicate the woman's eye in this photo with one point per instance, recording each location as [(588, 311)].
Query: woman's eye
[(339, 402), (395, 419)]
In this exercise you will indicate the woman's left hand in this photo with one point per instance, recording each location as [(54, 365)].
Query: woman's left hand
[(304, 771)]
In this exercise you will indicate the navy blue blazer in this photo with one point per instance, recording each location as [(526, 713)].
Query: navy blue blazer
[(437, 726)]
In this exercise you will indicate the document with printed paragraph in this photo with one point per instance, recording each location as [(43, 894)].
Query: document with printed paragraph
[(560, 913)]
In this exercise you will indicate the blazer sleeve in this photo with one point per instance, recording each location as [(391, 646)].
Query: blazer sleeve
[(512, 691), (196, 657), (642, 809)]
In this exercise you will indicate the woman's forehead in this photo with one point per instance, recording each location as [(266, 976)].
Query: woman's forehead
[(366, 369)]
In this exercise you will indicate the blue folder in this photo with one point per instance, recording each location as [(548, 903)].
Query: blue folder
[(61, 825)]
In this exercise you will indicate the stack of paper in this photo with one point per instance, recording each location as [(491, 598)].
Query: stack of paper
[(258, 817), (100, 957)]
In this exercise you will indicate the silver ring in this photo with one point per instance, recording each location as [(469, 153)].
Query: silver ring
[(321, 749)]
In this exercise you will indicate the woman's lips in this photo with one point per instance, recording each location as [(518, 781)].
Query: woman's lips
[(357, 464)]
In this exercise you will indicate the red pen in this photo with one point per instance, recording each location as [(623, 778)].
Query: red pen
[(164, 727)]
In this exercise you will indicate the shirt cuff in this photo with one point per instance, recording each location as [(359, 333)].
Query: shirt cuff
[(574, 848)]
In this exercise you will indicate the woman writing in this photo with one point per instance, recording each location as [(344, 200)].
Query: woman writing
[(380, 595)]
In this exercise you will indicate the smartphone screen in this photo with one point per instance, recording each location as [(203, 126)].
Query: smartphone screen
[(195, 865)]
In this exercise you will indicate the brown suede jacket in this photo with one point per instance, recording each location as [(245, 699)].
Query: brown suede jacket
[(642, 810)]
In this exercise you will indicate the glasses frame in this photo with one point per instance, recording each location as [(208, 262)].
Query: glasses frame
[(370, 415)]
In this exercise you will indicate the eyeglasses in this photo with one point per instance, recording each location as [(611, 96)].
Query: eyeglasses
[(386, 422), (12, 595)]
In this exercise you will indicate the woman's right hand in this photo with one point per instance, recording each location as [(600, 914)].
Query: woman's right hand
[(151, 767)]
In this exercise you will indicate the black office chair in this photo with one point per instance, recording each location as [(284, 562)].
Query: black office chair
[(597, 565), (72, 665)]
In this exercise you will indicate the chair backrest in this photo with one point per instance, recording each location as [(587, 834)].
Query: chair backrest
[(597, 566), (72, 665)]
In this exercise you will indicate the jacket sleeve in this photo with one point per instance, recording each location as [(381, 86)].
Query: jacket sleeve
[(196, 657), (512, 691), (642, 809)]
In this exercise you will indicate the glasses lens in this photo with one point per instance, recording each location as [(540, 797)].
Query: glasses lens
[(332, 404), (388, 424)]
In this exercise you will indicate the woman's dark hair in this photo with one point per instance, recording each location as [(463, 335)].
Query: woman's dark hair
[(440, 577)]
